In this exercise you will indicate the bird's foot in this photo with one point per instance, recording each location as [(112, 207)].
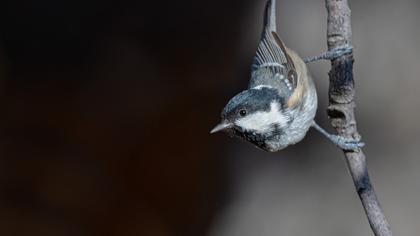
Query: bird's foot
[(331, 54), (346, 143)]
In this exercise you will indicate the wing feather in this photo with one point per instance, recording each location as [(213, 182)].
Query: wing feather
[(272, 59)]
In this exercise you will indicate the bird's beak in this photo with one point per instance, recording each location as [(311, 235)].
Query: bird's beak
[(220, 127)]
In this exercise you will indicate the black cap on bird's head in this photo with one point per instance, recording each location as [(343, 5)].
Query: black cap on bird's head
[(242, 110), (257, 115)]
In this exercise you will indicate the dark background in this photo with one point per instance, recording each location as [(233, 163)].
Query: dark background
[(106, 108)]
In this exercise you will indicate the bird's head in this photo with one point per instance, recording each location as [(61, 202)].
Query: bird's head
[(256, 115)]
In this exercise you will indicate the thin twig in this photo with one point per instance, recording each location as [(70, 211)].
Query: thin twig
[(341, 112)]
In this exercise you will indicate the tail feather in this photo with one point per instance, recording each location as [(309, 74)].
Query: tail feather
[(270, 17)]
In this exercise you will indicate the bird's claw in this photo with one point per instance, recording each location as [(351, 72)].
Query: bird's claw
[(340, 51), (331, 54), (347, 143)]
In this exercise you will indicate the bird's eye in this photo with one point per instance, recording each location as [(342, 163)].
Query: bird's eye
[(242, 112)]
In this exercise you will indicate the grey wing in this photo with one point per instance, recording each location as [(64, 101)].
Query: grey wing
[(272, 65)]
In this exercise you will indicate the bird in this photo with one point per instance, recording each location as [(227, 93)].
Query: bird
[(279, 105)]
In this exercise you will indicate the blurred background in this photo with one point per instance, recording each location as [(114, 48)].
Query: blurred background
[(106, 108)]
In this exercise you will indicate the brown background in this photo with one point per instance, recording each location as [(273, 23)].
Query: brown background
[(106, 108)]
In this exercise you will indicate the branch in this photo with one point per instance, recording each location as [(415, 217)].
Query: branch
[(341, 112)]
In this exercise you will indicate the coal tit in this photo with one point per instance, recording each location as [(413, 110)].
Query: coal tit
[(279, 106)]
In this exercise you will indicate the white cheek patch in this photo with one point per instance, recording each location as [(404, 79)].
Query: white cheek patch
[(263, 121)]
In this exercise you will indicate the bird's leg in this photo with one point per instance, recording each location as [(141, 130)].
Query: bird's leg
[(343, 143), (331, 54)]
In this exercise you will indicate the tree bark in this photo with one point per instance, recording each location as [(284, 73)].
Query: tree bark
[(341, 112)]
